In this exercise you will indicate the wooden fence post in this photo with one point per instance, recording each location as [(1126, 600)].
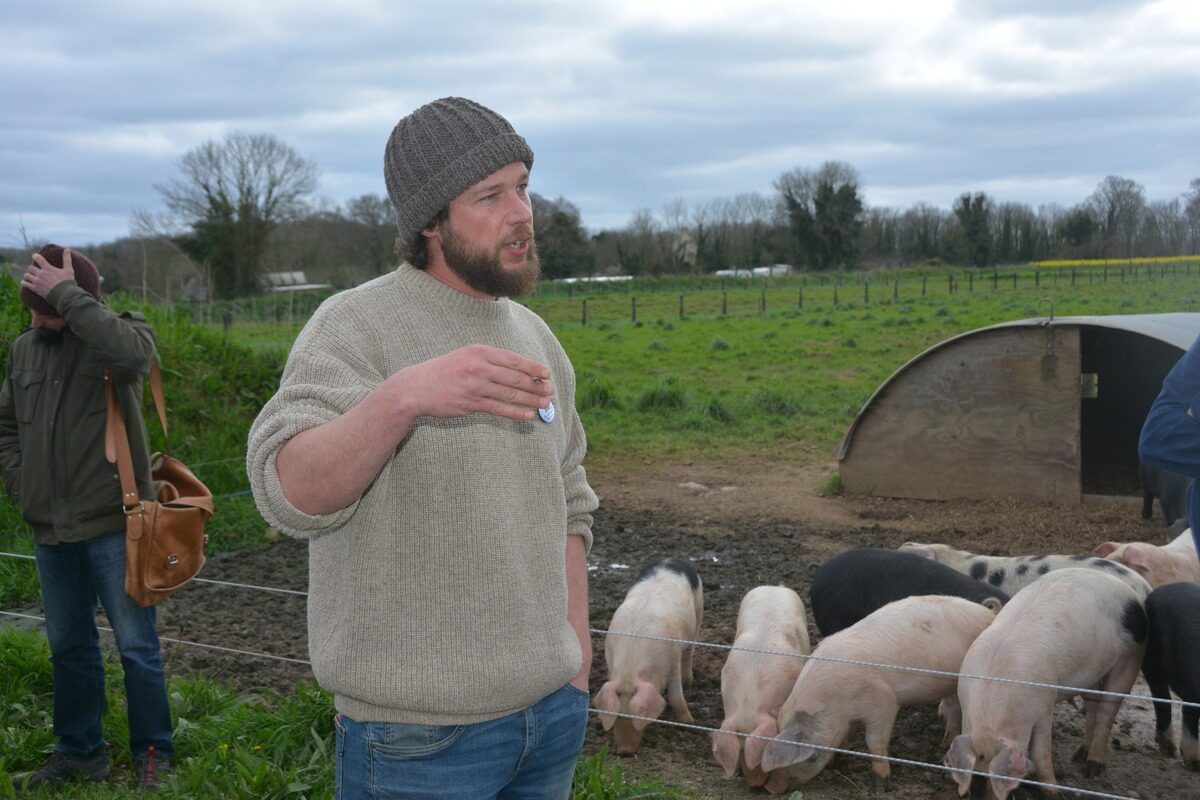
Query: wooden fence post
[(584, 312)]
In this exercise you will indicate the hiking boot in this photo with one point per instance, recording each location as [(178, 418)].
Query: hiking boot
[(152, 769), (61, 767)]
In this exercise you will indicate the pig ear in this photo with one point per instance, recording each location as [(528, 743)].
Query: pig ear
[(726, 749), (784, 750), (1106, 548), (961, 755), (1138, 558), (1010, 765), (780, 753), (766, 728), (646, 702), (606, 700)]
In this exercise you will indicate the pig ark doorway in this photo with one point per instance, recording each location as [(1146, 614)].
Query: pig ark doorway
[(1041, 409)]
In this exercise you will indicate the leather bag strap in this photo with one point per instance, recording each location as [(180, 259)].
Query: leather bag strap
[(116, 450), (160, 403), (116, 436)]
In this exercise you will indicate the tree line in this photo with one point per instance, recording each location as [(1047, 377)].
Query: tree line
[(243, 207)]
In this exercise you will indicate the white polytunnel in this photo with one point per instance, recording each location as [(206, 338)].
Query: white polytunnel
[(1044, 409)]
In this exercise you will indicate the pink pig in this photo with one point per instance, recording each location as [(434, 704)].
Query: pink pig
[(666, 601), (1072, 627), (1176, 561), (754, 685), (929, 632)]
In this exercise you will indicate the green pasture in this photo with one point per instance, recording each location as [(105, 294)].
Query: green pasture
[(783, 384), (773, 371)]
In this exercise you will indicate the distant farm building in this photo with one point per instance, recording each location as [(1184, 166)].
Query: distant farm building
[(769, 271), (1041, 409), (294, 281)]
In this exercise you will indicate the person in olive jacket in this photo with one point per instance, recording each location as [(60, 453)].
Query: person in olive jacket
[(52, 421)]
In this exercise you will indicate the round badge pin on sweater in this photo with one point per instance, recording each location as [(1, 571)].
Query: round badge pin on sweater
[(547, 413)]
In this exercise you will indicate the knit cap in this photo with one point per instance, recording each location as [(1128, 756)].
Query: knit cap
[(440, 150), (86, 275)]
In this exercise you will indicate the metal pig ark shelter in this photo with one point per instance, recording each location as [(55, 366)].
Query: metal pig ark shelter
[(1041, 409)]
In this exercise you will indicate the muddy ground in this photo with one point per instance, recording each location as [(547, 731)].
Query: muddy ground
[(743, 526)]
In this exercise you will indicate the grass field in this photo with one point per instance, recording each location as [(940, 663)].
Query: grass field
[(777, 385)]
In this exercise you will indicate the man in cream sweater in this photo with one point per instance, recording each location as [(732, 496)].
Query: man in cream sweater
[(424, 440)]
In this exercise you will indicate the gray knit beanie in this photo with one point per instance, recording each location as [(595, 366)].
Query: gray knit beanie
[(441, 149)]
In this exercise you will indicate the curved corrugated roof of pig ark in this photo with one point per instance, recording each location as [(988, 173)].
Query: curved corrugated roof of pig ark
[(1177, 329)]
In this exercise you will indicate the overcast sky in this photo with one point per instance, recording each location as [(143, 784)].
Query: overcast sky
[(627, 104)]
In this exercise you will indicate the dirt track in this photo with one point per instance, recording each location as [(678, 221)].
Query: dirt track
[(744, 529)]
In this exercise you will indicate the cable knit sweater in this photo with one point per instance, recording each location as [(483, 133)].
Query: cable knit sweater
[(439, 597)]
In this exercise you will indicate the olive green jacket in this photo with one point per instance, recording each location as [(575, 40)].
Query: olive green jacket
[(52, 415)]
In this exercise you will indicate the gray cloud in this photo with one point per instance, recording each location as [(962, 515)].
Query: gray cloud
[(626, 104)]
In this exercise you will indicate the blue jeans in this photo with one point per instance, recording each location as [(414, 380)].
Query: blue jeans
[(73, 576), (529, 755)]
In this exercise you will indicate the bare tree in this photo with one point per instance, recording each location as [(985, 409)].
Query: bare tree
[(1164, 229), (1191, 212), (162, 261), (1119, 204), (232, 194), (636, 247), (375, 221)]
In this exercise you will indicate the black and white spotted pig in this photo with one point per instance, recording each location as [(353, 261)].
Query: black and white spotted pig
[(1173, 663), (851, 585), (1011, 574)]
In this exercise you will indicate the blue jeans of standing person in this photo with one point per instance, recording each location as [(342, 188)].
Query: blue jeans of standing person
[(74, 575), (529, 755)]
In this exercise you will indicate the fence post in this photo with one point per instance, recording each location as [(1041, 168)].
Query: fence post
[(995, 279), (970, 281), (762, 301), (1037, 278), (835, 298), (583, 314), (1014, 280), (924, 281), (800, 298), (681, 306), (724, 301), (866, 293), (633, 308)]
